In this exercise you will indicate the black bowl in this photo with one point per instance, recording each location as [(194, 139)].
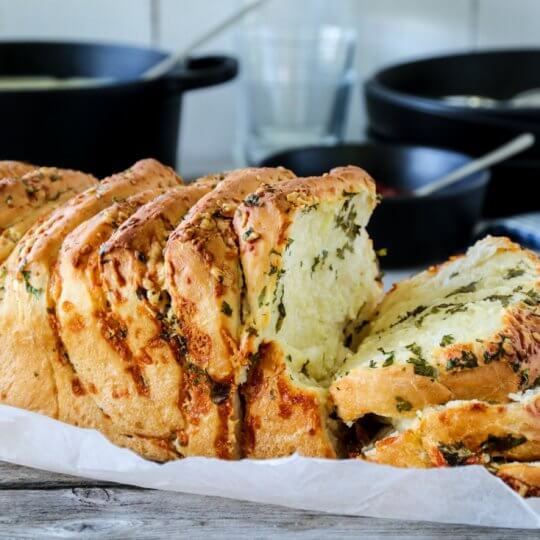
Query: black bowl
[(415, 230), (404, 105), (102, 128)]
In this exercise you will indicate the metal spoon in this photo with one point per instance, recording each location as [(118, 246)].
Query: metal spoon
[(511, 148), (165, 65)]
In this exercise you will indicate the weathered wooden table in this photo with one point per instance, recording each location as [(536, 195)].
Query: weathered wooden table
[(37, 504)]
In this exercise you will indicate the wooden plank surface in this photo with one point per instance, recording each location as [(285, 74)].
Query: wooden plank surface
[(37, 504)]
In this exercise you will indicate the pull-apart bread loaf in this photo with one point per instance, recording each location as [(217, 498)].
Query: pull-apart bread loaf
[(25, 199), (468, 329), (82, 316), (311, 278), (463, 433), (205, 282), (241, 316), (34, 363), (112, 308)]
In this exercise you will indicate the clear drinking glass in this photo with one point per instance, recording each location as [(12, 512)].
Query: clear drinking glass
[(296, 86)]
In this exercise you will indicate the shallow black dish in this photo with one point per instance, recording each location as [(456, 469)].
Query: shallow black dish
[(415, 230), (103, 128), (404, 105)]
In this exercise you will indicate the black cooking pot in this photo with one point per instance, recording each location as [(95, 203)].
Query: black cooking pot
[(415, 230), (101, 128), (404, 105)]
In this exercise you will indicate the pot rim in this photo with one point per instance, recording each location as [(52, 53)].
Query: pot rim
[(436, 105), (479, 183)]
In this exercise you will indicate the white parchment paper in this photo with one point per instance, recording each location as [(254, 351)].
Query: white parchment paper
[(459, 495)]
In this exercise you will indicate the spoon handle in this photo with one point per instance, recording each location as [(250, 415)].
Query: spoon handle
[(511, 148), (165, 65)]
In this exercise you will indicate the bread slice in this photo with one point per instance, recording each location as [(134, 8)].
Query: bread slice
[(31, 352), (204, 279), (521, 477), (85, 327), (468, 329), (463, 433), (25, 199), (113, 294), (14, 169), (311, 279)]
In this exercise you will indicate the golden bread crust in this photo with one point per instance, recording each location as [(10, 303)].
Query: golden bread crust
[(282, 418), (282, 414), (204, 275), (137, 374), (204, 278), (82, 322), (490, 368), (465, 432), (27, 198), (13, 169), (29, 343)]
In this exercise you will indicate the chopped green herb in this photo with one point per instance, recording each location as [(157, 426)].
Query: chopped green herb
[(497, 354), (252, 200), (502, 444), (415, 349), (504, 299), (319, 259), (420, 366), (446, 340), (226, 309), (533, 298), (467, 360), (402, 405), (346, 220), (390, 357), (262, 296), (471, 287), (455, 454), (412, 313), (372, 364), (340, 252), (29, 288), (513, 273), (383, 252)]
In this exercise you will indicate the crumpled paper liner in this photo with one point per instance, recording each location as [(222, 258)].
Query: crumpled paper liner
[(450, 495)]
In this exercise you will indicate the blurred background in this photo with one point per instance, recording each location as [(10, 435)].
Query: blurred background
[(303, 67), (388, 31)]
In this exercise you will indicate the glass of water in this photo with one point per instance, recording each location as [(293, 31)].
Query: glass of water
[(296, 87)]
